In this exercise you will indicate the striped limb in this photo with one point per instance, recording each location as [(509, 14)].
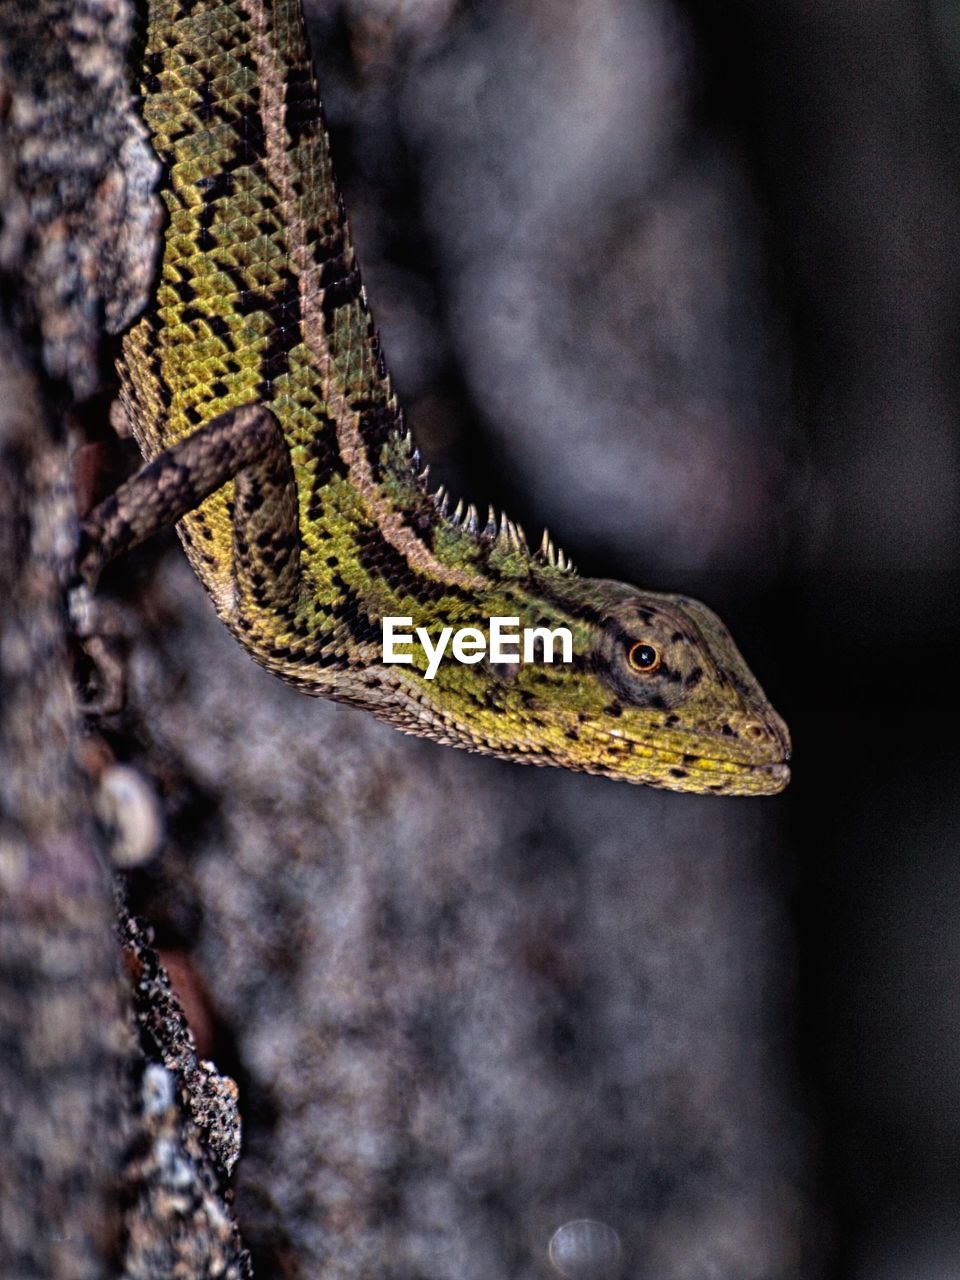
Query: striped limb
[(245, 445)]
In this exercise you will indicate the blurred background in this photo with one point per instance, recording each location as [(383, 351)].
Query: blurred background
[(678, 280)]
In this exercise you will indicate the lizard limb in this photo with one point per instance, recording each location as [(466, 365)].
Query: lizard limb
[(244, 445)]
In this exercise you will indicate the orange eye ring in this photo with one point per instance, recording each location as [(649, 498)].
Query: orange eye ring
[(644, 657)]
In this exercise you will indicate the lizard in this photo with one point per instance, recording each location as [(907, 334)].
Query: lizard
[(256, 388)]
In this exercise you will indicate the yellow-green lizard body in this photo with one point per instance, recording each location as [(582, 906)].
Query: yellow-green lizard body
[(255, 384)]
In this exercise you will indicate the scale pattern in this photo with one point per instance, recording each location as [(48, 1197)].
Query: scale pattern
[(228, 326)]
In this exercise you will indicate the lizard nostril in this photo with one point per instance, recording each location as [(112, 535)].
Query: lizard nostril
[(771, 733)]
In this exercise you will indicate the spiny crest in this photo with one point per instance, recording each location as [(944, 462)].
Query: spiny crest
[(553, 555), (511, 537), (501, 531)]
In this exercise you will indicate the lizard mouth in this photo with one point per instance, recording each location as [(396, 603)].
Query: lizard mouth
[(778, 774), (718, 777), (696, 771)]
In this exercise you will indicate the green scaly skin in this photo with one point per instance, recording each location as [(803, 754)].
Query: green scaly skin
[(259, 302)]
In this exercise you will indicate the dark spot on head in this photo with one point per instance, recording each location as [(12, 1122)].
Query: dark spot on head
[(694, 678), (728, 732)]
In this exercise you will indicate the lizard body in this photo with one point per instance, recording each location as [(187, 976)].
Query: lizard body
[(256, 386)]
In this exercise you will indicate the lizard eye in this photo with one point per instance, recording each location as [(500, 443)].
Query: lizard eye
[(644, 657)]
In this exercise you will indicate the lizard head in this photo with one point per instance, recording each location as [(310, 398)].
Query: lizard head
[(655, 692), (666, 699)]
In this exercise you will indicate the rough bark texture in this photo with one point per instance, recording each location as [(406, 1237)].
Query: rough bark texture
[(112, 1131), (64, 1036), (185, 1144)]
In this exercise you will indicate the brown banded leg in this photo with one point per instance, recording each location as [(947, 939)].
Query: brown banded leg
[(245, 445)]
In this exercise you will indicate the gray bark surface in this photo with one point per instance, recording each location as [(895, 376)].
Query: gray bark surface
[(111, 1130)]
